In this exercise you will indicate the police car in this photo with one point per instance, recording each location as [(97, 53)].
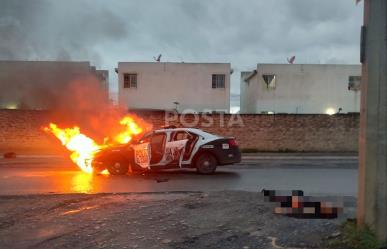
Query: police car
[(169, 148)]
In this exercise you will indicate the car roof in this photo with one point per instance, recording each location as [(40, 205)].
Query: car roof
[(193, 130)]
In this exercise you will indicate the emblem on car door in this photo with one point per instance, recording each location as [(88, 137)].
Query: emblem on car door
[(142, 154)]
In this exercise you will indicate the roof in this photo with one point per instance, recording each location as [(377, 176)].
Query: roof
[(251, 75), (306, 64), (187, 63), (193, 130), (44, 61)]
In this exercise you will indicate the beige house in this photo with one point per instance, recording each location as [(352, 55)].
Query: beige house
[(187, 87), (301, 88)]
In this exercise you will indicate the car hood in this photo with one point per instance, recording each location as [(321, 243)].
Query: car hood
[(112, 148)]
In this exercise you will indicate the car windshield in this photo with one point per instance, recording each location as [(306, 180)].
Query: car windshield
[(143, 137)]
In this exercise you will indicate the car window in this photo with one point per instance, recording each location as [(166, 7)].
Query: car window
[(181, 135), (158, 139), (145, 139)]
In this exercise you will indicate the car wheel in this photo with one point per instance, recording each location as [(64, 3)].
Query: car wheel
[(206, 164), (118, 166)]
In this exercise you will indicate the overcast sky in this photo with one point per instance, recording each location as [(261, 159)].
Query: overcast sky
[(242, 32)]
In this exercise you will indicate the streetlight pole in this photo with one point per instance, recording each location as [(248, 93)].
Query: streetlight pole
[(372, 192)]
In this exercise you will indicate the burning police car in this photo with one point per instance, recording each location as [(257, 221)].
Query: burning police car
[(169, 148)]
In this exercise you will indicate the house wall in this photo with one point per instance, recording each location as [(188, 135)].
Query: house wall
[(161, 84), (247, 94), (303, 89), (103, 77)]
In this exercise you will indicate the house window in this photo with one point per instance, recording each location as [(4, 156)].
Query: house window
[(354, 83), (130, 80), (218, 81), (270, 80)]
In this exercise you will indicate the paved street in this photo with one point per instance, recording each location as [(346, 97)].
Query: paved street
[(208, 212), (314, 175)]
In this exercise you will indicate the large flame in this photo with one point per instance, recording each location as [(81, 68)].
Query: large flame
[(84, 148), (132, 128)]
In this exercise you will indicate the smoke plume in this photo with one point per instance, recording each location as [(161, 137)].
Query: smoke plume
[(56, 30)]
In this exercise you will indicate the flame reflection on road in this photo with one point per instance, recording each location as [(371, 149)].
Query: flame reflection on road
[(82, 183), (74, 182)]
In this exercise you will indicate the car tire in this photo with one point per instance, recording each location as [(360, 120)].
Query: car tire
[(206, 164), (118, 166)]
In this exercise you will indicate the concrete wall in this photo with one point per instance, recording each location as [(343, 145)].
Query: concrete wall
[(103, 76), (301, 89), (39, 84), (21, 131), (161, 84), (248, 94)]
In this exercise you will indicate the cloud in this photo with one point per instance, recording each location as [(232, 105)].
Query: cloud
[(43, 29), (241, 32)]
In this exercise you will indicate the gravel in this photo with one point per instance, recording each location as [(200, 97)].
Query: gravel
[(226, 219)]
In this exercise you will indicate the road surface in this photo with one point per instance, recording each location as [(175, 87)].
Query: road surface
[(315, 175)]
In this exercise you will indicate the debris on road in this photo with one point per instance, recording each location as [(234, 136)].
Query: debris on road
[(158, 180)]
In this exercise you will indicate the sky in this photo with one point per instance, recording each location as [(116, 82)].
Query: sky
[(240, 32)]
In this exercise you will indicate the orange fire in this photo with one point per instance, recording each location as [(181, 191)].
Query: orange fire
[(84, 148), (132, 128)]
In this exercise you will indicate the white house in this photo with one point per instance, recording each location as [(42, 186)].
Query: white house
[(300, 88), (187, 87)]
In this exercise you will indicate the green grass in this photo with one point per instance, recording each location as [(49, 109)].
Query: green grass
[(356, 238)]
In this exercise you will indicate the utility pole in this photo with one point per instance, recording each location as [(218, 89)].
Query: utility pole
[(372, 192)]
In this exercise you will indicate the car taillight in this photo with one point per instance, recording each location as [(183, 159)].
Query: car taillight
[(232, 143)]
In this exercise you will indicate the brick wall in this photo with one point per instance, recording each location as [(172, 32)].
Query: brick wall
[(21, 131)]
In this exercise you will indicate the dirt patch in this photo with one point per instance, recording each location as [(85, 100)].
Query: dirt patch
[(226, 219)]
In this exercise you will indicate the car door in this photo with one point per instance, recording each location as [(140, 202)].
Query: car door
[(150, 150), (157, 147), (142, 151), (191, 139)]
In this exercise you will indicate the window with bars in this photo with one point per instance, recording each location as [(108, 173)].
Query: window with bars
[(130, 80), (218, 81)]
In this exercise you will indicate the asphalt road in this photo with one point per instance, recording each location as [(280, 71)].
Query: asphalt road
[(325, 176)]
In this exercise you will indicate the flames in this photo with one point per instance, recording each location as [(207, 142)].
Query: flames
[(132, 128), (84, 148)]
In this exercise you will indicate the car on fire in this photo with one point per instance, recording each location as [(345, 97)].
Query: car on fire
[(169, 148)]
